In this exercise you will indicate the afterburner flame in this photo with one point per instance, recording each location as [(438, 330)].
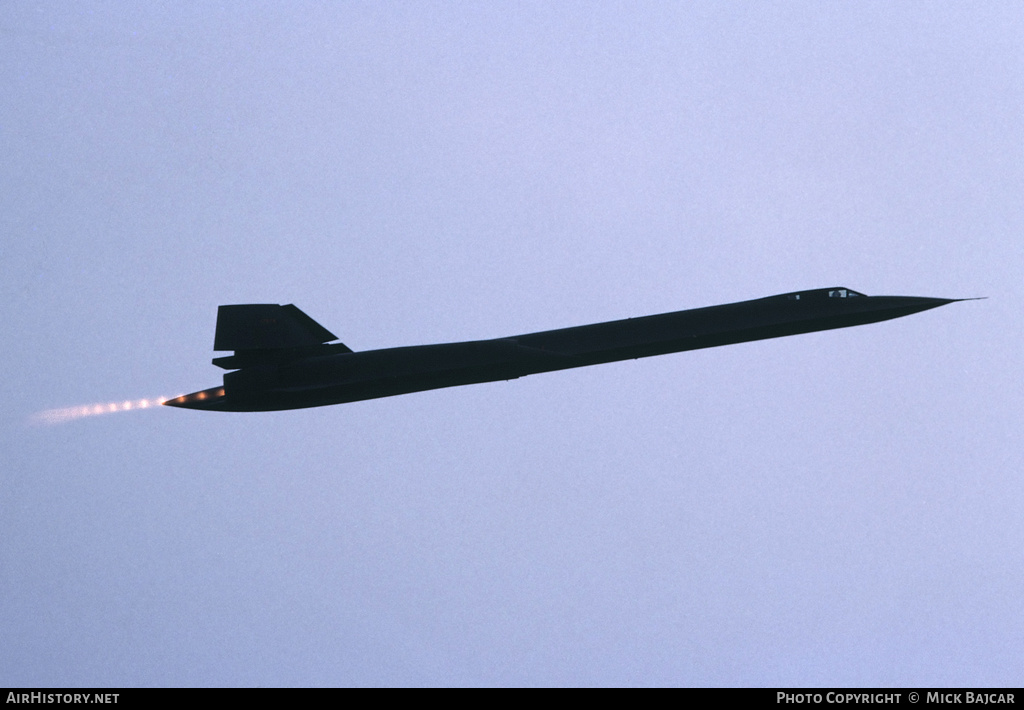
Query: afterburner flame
[(66, 414)]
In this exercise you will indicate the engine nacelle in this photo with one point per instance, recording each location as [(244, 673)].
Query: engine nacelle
[(251, 380)]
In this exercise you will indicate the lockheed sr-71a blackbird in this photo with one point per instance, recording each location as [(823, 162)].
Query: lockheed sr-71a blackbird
[(283, 359)]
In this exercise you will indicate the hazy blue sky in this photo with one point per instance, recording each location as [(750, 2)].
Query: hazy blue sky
[(840, 508)]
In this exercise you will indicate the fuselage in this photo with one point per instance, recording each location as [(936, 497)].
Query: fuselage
[(332, 374)]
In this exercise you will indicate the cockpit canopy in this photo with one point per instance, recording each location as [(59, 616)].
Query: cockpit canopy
[(819, 293)]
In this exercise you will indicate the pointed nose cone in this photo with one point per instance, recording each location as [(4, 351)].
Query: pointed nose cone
[(916, 304), (936, 302), (920, 303)]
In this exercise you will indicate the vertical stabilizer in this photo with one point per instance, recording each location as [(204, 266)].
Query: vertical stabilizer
[(264, 326)]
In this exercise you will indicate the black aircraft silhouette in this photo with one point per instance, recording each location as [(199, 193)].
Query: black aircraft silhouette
[(284, 359)]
